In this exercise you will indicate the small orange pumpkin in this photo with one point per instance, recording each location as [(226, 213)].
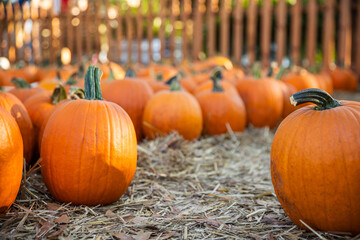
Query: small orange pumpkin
[(131, 94), (173, 110), (96, 140), (344, 79), (219, 109)]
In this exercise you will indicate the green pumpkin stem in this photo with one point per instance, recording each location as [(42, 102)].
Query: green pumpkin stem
[(81, 71), (216, 78), (159, 77), (130, 73), (20, 83), (92, 83), (322, 99), (174, 83), (76, 93), (58, 76), (72, 79), (281, 72), (256, 70), (58, 95)]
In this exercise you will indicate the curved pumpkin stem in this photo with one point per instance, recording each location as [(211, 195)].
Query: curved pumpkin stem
[(20, 83), (216, 78), (92, 83), (159, 77), (76, 93), (281, 72), (322, 99), (58, 95)]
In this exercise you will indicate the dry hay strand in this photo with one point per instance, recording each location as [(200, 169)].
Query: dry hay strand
[(213, 188)]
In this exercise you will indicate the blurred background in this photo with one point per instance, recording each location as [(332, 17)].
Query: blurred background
[(127, 31)]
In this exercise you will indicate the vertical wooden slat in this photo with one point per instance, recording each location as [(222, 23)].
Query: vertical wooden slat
[(110, 41), (79, 35), (344, 36), (295, 32), (225, 10), (69, 30), (174, 12), (186, 8), (251, 30), (357, 53), (266, 32), (281, 12), (17, 27), (97, 23), (129, 34), (150, 33), (238, 31), (198, 28), (212, 8), (2, 30), (328, 33), (162, 13), (89, 30), (119, 33), (311, 33), (139, 27)]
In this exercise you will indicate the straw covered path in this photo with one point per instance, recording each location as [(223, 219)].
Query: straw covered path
[(213, 188)]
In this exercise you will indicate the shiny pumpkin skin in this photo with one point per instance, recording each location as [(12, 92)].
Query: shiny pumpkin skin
[(24, 94), (315, 167), (132, 95), (263, 100), (344, 79), (219, 109), (99, 146), (11, 159), (169, 111), (15, 107)]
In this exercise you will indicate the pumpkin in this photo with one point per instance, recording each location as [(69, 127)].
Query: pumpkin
[(263, 100), (173, 110), (51, 83), (27, 73), (344, 79), (131, 94), (315, 163), (23, 89), (15, 107), (39, 106), (96, 140), (300, 79), (220, 109), (11, 160)]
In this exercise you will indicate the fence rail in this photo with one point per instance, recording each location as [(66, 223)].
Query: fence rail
[(244, 30)]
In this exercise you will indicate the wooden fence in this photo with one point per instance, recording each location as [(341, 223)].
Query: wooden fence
[(244, 30)]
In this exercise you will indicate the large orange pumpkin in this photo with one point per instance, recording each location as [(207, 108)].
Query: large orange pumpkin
[(315, 163), (11, 160), (23, 89), (15, 107), (220, 108), (131, 94), (92, 159), (173, 110), (263, 100)]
